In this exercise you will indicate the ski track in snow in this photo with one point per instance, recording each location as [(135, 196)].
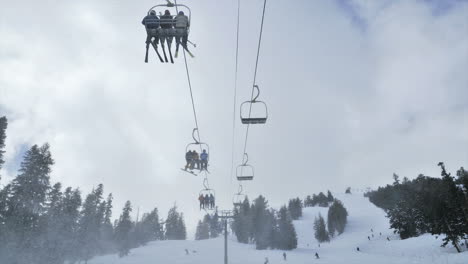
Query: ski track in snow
[(363, 216)]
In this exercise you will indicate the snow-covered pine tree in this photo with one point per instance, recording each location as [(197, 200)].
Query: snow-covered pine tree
[(286, 232), (321, 233), (202, 231), (123, 229)]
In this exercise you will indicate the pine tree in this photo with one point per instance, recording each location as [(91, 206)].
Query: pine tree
[(321, 233), (90, 222), (123, 229), (26, 205), (151, 228), (202, 231), (348, 190), (330, 197), (181, 229), (215, 225), (286, 232), (337, 218), (70, 206), (295, 208), (260, 225), (175, 225), (106, 228), (451, 220), (308, 201), (242, 224)]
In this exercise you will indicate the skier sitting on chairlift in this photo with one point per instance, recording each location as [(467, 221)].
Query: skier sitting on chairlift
[(167, 32), (206, 199), (151, 23), (202, 202), (204, 160), (195, 160), (212, 201), (182, 24)]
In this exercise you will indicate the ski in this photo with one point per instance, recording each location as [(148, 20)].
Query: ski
[(170, 54), (146, 56), (189, 171), (164, 51), (157, 52)]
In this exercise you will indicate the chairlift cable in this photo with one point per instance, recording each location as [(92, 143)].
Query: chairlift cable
[(190, 86), (235, 91), (255, 76)]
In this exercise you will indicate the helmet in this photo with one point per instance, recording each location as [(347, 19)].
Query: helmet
[(152, 12), (181, 13), (167, 12)]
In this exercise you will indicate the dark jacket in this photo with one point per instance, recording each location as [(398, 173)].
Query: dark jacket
[(167, 21), (151, 21)]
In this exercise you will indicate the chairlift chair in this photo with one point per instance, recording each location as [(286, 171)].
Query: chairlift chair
[(254, 111), (170, 5), (238, 198), (245, 172)]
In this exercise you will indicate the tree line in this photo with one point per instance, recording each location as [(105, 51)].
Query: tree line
[(427, 205), (321, 200), (45, 223)]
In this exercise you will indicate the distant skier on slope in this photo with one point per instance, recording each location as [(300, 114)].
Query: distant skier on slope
[(317, 255), (284, 256)]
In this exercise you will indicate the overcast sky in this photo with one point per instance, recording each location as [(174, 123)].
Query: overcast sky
[(356, 90)]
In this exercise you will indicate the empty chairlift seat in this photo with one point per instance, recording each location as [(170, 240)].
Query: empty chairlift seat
[(254, 111)]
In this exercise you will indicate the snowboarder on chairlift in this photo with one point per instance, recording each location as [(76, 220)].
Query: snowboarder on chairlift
[(202, 202), (167, 32), (212, 201), (188, 159), (151, 23), (182, 24), (204, 160)]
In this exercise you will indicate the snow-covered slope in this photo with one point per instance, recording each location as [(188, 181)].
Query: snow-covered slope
[(363, 216)]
